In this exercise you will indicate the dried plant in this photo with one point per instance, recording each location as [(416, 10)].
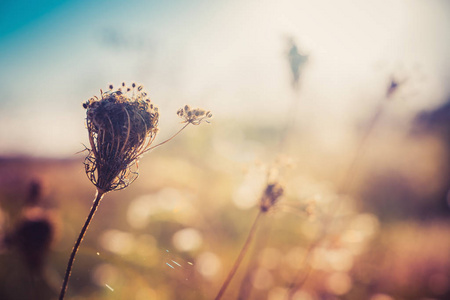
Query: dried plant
[(344, 185), (271, 195), (122, 125), (194, 116), (120, 130)]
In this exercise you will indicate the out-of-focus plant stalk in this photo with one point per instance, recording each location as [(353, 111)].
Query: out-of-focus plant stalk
[(241, 256), (301, 277), (269, 198)]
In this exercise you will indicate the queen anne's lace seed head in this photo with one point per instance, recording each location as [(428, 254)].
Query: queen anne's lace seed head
[(121, 125)]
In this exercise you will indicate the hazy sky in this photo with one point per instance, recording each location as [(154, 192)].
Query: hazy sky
[(227, 56)]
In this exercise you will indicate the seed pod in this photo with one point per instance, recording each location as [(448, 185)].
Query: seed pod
[(120, 130)]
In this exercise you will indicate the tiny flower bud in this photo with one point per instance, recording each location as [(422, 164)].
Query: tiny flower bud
[(270, 196)]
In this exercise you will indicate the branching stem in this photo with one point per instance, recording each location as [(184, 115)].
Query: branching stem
[(169, 139)]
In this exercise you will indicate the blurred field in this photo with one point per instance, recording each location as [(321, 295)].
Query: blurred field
[(344, 104), (176, 231)]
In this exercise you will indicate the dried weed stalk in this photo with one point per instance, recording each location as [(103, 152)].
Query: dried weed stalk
[(269, 198), (122, 125), (305, 271)]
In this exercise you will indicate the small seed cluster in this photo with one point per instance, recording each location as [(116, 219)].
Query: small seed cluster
[(194, 116)]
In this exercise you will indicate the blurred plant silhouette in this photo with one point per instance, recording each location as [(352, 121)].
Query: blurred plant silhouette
[(269, 198), (31, 237)]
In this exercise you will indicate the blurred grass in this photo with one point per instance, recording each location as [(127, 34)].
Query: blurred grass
[(136, 247)]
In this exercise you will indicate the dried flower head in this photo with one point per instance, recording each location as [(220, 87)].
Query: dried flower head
[(121, 125), (194, 116), (270, 196)]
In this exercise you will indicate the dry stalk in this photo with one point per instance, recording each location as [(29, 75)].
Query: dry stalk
[(269, 198), (301, 277), (121, 126)]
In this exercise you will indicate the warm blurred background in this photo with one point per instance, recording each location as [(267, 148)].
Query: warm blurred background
[(348, 101)]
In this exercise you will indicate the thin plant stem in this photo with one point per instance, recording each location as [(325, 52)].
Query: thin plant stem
[(290, 122), (94, 207), (245, 289), (348, 178), (344, 185), (298, 282), (238, 261), (169, 139)]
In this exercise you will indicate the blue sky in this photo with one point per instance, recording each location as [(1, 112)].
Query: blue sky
[(17, 15), (227, 56)]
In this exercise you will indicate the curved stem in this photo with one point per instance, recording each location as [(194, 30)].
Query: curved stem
[(238, 261), (169, 139), (97, 199)]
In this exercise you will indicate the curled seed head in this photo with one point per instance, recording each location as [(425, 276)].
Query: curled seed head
[(120, 130)]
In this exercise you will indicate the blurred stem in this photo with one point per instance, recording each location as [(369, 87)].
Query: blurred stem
[(298, 282), (94, 207), (246, 287), (238, 261), (290, 122), (169, 139), (350, 175), (343, 187)]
